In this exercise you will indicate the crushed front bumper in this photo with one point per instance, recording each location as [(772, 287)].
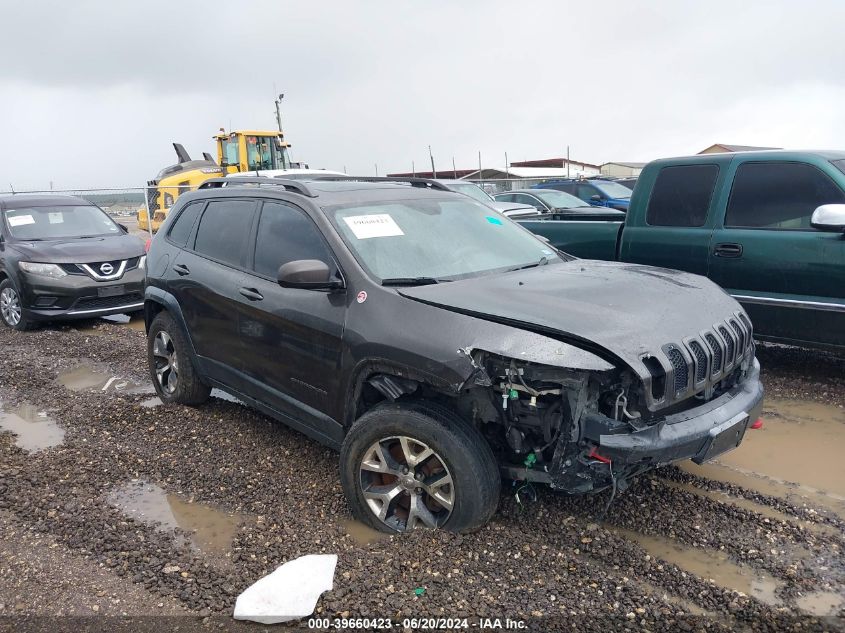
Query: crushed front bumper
[(700, 433)]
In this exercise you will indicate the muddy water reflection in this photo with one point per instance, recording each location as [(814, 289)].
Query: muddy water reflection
[(34, 429), (797, 453), (212, 529), (360, 533), (93, 378), (709, 565)]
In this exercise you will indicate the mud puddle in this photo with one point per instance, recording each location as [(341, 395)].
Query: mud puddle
[(34, 430), (711, 565), (796, 454), (92, 378), (212, 530), (133, 322), (360, 533), (821, 603)]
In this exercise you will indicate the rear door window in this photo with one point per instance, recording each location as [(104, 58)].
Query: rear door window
[(681, 195), (779, 195), (224, 229), (183, 224), (286, 234)]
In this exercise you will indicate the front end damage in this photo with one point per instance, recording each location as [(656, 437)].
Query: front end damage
[(582, 431)]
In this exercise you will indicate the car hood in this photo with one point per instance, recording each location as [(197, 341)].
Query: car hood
[(626, 310), (81, 251)]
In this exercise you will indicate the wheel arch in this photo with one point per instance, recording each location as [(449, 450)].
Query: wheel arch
[(378, 380), (156, 301)]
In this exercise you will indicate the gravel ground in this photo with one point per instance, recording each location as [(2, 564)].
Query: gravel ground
[(551, 562)]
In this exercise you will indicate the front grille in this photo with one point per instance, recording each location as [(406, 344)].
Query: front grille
[(700, 361), (729, 343), (740, 335), (707, 358), (717, 353), (680, 367), (104, 303)]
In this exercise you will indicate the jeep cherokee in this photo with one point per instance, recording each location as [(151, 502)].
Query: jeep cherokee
[(439, 345)]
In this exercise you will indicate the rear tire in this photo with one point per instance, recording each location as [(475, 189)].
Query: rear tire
[(418, 464), (11, 308), (171, 365)]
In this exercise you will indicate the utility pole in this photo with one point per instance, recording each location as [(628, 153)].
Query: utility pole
[(507, 167), (413, 169), (454, 169), (278, 111), (479, 164), (431, 156), (567, 161), (376, 164)]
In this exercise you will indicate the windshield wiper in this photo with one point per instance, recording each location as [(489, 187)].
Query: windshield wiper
[(412, 281), (543, 261)]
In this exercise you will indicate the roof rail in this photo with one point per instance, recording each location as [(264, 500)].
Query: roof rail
[(289, 185), (414, 182)]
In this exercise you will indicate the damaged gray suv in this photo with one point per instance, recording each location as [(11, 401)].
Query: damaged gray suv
[(440, 346)]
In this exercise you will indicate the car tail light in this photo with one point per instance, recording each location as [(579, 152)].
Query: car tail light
[(147, 244)]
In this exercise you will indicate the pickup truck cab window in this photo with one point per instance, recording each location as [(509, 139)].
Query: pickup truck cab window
[(681, 195), (773, 195), (286, 234)]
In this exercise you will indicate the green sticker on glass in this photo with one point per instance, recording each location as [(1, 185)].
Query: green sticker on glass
[(493, 220)]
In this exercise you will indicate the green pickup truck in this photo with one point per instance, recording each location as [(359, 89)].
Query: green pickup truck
[(769, 227)]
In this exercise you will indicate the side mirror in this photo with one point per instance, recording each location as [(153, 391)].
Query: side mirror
[(829, 217), (596, 198), (310, 274)]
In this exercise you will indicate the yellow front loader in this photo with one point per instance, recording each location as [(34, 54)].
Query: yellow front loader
[(237, 151)]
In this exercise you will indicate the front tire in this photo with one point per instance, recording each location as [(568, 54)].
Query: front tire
[(11, 308), (171, 367), (418, 464)]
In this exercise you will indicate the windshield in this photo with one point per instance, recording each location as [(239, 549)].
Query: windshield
[(437, 239), (558, 199), (473, 191), (613, 189), (52, 223)]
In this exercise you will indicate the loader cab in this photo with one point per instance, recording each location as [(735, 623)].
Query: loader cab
[(250, 150)]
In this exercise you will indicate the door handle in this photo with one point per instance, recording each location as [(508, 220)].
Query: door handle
[(728, 250), (251, 293), (181, 269)]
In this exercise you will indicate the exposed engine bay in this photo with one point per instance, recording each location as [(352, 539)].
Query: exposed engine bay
[(546, 424)]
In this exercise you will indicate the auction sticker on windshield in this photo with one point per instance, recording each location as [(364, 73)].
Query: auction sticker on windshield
[(376, 225), (20, 220)]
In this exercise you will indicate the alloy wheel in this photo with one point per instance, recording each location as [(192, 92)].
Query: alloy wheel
[(406, 484), (10, 306), (166, 362)]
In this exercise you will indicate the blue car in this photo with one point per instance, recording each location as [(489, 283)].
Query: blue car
[(597, 193)]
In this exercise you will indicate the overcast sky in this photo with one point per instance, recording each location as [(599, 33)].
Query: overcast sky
[(92, 93)]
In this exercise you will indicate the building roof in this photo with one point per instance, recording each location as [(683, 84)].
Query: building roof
[(621, 164), (441, 173), (736, 148), (551, 162), (523, 172)]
